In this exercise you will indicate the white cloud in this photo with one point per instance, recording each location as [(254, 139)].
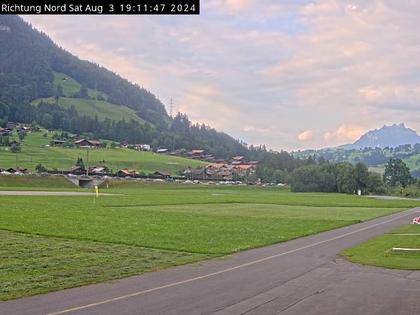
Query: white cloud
[(255, 129), (306, 135), (344, 133), (239, 4), (286, 67)]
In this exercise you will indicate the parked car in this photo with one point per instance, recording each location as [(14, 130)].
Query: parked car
[(416, 220)]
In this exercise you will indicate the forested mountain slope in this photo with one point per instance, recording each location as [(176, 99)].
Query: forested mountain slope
[(27, 61), (29, 64)]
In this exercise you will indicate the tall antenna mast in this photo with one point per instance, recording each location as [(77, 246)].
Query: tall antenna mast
[(171, 107)]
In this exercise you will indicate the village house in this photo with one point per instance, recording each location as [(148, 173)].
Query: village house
[(209, 157), (77, 170), (17, 170), (85, 143), (98, 170), (58, 143), (215, 167), (145, 147), (161, 175), (179, 152), (195, 173), (244, 169), (196, 154), (237, 160), (127, 173), (5, 132), (138, 147), (23, 128)]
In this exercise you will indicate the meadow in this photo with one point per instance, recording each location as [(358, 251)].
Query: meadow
[(34, 151), (94, 108), (156, 226), (90, 107)]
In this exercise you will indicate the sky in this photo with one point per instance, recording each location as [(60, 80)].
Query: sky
[(290, 74)]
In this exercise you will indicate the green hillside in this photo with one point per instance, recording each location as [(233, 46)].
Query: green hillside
[(413, 162), (72, 87), (34, 151), (93, 108), (96, 106)]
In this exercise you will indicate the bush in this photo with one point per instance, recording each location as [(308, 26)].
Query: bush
[(40, 168), (410, 191), (15, 148)]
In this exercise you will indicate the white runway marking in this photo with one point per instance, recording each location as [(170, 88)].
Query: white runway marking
[(406, 234), (123, 297), (406, 249)]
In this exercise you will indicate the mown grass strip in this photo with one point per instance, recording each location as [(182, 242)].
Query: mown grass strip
[(32, 264)]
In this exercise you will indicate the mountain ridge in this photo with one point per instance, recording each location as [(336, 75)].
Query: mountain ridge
[(387, 136)]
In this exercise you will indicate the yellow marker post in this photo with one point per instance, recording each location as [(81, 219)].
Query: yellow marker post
[(96, 195)]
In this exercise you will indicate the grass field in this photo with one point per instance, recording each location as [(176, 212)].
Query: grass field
[(31, 264), (71, 86), (35, 152), (92, 108), (378, 251), (181, 223), (89, 107)]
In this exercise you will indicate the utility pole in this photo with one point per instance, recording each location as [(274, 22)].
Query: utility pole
[(87, 162), (171, 112)]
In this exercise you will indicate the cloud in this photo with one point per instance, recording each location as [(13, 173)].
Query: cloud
[(344, 133), (265, 70), (239, 4), (398, 96), (307, 135), (255, 129)]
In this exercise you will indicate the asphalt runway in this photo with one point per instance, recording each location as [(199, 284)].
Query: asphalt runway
[(303, 276)]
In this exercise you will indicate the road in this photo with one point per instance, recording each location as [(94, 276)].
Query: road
[(48, 193), (303, 276)]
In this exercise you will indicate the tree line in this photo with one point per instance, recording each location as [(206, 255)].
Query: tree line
[(348, 178), (341, 177)]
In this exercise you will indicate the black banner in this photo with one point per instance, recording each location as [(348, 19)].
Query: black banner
[(142, 7)]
